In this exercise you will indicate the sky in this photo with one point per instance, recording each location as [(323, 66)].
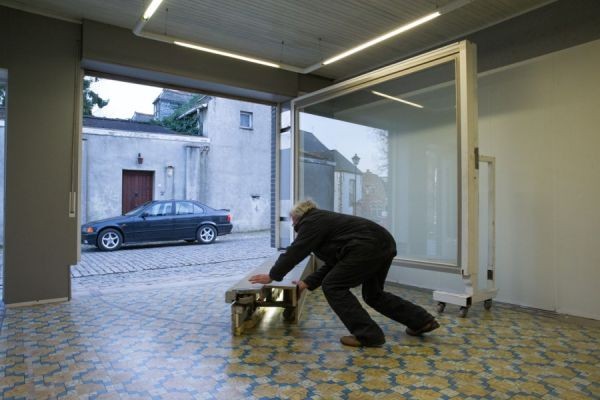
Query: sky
[(125, 98), (349, 139)]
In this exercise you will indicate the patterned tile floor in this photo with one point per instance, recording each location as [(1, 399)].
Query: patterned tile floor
[(166, 335)]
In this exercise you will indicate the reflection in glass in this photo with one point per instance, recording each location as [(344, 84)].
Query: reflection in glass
[(389, 153)]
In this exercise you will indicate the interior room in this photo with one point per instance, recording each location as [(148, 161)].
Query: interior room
[(467, 128)]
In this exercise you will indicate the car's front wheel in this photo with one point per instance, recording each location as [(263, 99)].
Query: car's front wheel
[(206, 234), (109, 239)]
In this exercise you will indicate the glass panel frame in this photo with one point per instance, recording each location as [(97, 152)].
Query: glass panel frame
[(463, 54)]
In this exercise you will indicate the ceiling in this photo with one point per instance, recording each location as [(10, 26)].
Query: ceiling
[(300, 33)]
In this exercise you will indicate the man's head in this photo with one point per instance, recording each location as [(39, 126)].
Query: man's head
[(301, 208)]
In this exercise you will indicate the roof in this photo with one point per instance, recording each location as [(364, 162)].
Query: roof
[(174, 96), (312, 147), (141, 117), (343, 164), (124, 125)]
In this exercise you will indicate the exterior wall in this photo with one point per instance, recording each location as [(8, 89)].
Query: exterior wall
[(318, 177), (107, 153), (342, 199), (540, 120), (164, 108), (233, 172), (238, 164)]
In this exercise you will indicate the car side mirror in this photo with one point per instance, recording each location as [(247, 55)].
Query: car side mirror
[(144, 214)]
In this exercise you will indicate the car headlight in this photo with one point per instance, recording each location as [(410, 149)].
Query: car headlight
[(89, 229)]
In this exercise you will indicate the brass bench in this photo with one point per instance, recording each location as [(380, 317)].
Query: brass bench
[(249, 300)]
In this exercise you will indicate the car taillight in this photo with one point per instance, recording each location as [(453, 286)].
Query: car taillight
[(228, 217)]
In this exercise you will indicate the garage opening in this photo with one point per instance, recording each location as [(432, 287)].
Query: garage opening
[(172, 179)]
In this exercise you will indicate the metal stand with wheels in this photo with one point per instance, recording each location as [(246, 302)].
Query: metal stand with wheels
[(474, 294)]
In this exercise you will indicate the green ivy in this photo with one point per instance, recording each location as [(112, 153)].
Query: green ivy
[(186, 125)]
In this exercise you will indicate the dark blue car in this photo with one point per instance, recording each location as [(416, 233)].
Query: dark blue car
[(157, 221)]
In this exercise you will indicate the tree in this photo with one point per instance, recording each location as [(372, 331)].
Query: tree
[(2, 95), (91, 98)]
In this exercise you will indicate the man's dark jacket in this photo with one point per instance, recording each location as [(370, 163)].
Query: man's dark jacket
[(330, 236)]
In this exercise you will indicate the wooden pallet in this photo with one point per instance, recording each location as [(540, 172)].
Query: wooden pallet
[(249, 300)]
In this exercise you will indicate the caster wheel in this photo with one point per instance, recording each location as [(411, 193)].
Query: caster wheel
[(289, 314), (463, 312), (441, 306), (487, 304)]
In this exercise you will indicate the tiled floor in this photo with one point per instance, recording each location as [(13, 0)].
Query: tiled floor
[(165, 334)]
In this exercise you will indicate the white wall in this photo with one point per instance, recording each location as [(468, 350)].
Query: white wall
[(106, 153), (541, 121), (239, 162)]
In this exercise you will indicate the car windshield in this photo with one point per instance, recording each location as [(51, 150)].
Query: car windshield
[(137, 209)]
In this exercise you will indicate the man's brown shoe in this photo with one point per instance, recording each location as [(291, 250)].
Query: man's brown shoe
[(428, 327), (352, 341)]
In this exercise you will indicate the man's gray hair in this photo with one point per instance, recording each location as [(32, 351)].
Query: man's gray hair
[(301, 207)]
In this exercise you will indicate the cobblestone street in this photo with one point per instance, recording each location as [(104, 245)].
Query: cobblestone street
[(143, 257), (229, 251)]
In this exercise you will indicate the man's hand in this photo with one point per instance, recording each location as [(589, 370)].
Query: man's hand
[(301, 286), (260, 278)]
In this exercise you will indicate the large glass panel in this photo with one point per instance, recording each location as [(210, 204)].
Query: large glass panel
[(285, 182), (389, 153), (3, 102)]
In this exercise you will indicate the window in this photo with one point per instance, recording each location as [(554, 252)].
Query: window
[(159, 209), (182, 208), (245, 120), (198, 209), (410, 149)]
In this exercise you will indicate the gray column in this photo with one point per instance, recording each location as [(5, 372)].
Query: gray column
[(195, 173)]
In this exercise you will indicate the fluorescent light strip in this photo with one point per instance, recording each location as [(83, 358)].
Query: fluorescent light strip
[(387, 96), (151, 9), (383, 37), (227, 54)]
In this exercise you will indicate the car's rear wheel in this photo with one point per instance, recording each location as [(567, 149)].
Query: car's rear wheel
[(109, 239), (206, 234)]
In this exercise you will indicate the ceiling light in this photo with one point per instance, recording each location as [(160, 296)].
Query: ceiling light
[(227, 54), (383, 37), (387, 96), (151, 9)]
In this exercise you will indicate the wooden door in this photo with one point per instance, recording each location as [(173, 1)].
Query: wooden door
[(137, 188)]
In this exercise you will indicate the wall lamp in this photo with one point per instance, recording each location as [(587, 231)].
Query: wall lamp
[(140, 159), (170, 170), (197, 46)]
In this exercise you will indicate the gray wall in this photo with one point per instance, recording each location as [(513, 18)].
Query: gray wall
[(41, 239), (107, 153), (318, 182), (239, 162)]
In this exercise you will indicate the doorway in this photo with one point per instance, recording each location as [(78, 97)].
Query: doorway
[(137, 188)]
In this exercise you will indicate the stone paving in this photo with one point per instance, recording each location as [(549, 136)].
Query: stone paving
[(143, 257), (230, 255)]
